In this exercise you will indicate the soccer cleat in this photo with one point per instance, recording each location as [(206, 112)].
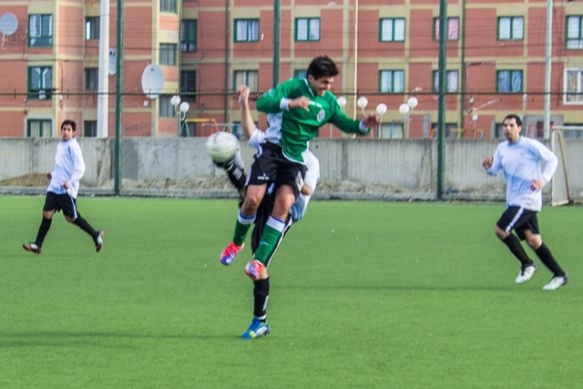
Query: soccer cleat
[(32, 247), (257, 329), (556, 282), (253, 269), (230, 252), (99, 241), (525, 274)]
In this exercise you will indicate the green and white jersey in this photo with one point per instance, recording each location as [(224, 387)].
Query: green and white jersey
[(299, 126)]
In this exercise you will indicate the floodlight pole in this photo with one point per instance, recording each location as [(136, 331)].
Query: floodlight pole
[(548, 70), (276, 37), (119, 97), (441, 98)]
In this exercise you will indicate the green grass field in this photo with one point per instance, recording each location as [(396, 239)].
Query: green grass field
[(363, 295)]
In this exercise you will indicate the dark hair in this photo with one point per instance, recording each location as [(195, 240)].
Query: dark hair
[(515, 117), (322, 66), (69, 122)]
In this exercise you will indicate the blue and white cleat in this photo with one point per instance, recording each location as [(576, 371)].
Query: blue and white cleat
[(257, 329)]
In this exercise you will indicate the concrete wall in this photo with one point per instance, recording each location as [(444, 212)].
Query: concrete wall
[(380, 167)]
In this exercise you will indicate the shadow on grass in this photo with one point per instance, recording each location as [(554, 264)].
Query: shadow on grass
[(97, 339), (497, 288)]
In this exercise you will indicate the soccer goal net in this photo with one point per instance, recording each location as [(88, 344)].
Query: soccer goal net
[(560, 193)]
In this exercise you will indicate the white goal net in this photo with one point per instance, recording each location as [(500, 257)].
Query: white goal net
[(560, 193)]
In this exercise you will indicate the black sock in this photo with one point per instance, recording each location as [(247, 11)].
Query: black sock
[(82, 223), (236, 176), (547, 258), (516, 248), (45, 226), (260, 298)]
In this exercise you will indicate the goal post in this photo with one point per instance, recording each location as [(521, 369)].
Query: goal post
[(560, 194)]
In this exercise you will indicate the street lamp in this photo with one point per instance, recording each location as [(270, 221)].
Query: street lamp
[(405, 109), (381, 109), (180, 110), (475, 120)]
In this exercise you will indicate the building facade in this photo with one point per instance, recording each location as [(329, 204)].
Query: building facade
[(387, 51)]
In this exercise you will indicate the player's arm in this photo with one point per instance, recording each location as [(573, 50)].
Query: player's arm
[(551, 162), (352, 126), (78, 163), (247, 122), (491, 164), (277, 99)]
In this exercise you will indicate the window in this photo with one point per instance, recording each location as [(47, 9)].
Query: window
[(307, 29), (392, 130), (246, 30), (300, 73), (92, 27), (509, 81), (39, 128), (451, 130), (166, 108), (168, 6), (392, 81), (90, 128), (451, 80), (573, 86), (91, 79), (167, 54), (511, 28), (573, 134), (40, 30), (392, 30), (452, 28), (188, 36), (40, 82), (574, 32), (246, 77), (188, 85)]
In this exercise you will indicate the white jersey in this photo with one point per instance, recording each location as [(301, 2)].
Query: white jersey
[(521, 163), (312, 178), (69, 167)]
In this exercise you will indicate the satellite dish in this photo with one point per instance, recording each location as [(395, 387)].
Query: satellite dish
[(112, 62), (8, 23), (152, 81)]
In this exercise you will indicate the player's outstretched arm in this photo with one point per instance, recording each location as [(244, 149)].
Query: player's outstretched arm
[(247, 122)]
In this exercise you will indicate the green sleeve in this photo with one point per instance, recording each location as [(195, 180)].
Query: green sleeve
[(270, 101), (346, 124)]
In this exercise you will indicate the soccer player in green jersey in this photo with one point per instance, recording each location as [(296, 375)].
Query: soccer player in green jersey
[(299, 107)]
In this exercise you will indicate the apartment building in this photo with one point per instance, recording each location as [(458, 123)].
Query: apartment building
[(387, 51)]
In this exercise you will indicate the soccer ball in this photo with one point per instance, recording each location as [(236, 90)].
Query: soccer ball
[(222, 146)]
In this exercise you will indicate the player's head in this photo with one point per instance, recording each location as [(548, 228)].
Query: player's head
[(68, 128), (321, 73), (512, 127)]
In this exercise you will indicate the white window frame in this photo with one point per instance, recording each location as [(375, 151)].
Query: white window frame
[(573, 79)]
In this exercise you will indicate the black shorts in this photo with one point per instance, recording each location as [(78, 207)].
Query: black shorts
[(519, 220), (270, 165), (61, 202)]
